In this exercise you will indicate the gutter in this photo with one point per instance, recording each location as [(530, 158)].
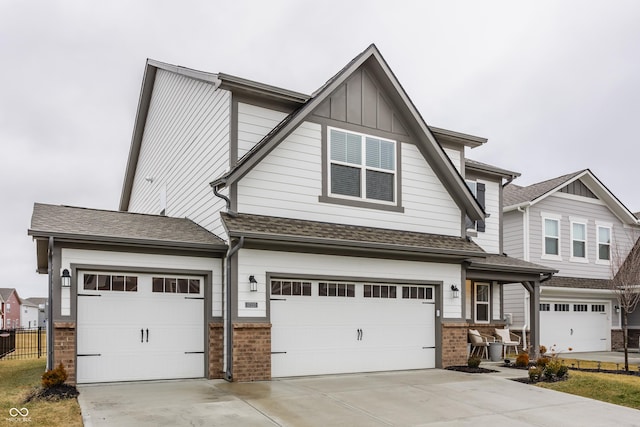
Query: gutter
[(50, 307)]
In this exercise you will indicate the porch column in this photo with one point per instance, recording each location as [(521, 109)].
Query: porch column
[(534, 316)]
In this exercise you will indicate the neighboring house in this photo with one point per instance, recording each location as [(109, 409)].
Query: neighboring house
[(41, 303), (329, 233), (574, 224), (10, 308), (28, 314)]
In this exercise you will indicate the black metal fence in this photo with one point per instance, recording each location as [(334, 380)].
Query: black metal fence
[(23, 343)]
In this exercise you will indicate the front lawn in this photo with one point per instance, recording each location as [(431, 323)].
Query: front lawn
[(17, 379), (618, 389)]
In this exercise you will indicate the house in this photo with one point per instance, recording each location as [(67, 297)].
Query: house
[(574, 224), (41, 303), (285, 234), (28, 314), (10, 302)]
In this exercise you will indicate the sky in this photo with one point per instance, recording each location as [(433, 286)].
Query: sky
[(553, 85)]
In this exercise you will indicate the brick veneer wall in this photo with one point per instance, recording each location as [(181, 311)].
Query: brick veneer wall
[(617, 342), (251, 351), (216, 350), (64, 348)]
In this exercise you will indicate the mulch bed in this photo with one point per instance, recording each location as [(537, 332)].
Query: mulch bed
[(59, 392), (468, 370)]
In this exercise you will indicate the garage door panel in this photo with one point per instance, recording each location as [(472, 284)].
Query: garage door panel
[(139, 335), (314, 335), (564, 327)]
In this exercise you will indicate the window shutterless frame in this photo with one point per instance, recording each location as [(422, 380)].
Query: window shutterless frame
[(361, 167), (603, 248)]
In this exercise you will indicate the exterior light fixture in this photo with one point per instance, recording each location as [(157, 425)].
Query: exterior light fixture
[(66, 279), (455, 292), (253, 284), (617, 308)]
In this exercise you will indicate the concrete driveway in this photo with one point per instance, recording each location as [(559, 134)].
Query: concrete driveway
[(410, 398)]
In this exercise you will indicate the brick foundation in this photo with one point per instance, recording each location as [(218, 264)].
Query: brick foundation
[(617, 336), (64, 348), (251, 351), (216, 350), (455, 339)]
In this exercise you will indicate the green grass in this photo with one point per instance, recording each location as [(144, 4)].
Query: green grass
[(590, 364), (17, 379), (621, 390)]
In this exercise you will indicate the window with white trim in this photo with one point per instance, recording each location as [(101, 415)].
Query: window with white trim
[(604, 243), (361, 166), (551, 236), (379, 291), (482, 302), (579, 240)]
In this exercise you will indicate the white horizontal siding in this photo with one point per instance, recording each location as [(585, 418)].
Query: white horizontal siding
[(184, 147), (455, 156), (592, 212), (489, 240), (258, 263), (288, 183), (140, 260), (512, 234), (253, 124)]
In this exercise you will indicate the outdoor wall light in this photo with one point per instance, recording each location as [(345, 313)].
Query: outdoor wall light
[(455, 292), (617, 308), (253, 284), (66, 279)]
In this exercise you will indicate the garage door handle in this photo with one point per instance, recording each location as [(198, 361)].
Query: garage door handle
[(141, 335), (147, 335)]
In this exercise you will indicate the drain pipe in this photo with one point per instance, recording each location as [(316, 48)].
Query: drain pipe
[(228, 375), (223, 197)]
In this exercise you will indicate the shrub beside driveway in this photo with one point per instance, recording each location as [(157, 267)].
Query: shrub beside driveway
[(20, 377)]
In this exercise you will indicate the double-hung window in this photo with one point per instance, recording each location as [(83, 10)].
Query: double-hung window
[(578, 241), (551, 237), (604, 243), (362, 166), (482, 302)]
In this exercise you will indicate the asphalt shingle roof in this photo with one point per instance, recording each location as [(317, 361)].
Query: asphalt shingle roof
[(577, 282), (5, 293), (515, 194), (296, 229), (122, 226)]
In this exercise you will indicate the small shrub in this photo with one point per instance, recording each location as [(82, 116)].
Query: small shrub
[(54, 377), (473, 362), (562, 373), (522, 360), (542, 362), (534, 374), (551, 369), (543, 350)]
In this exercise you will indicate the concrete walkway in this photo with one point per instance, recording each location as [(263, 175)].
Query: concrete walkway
[(408, 398)]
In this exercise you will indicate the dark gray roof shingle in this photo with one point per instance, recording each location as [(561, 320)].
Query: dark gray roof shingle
[(118, 226), (5, 293), (515, 194), (296, 229), (577, 282)]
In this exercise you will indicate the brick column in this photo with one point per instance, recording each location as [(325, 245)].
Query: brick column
[(454, 344), (64, 348), (251, 351), (216, 350)]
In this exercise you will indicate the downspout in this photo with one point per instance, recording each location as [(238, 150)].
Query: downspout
[(50, 307), (525, 232), (228, 375), (225, 198)]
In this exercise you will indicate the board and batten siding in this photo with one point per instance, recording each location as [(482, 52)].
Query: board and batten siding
[(489, 240), (513, 234), (591, 210), (184, 147), (253, 124), (258, 263), (288, 183), (124, 260)]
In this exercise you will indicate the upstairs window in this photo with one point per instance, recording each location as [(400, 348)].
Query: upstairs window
[(478, 190), (551, 237), (578, 240), (362, 166), (604, 243)]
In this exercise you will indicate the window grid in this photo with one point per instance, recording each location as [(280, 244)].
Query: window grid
[(580, 307), (482, 302), (560, 307), (287, 287), (326, 289), (107, 282), (597, 308), (379, 291), (173, 285), (545, 307), (417, 292)]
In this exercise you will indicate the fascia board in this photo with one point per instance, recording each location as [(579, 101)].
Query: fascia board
[(612, 202), (506, 268), (516, 206), (231, 82), (557, 188), (159, 244), (550, 290)]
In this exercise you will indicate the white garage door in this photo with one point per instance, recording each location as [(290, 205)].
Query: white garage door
[(580, 326), (139, 327), (329, 328)]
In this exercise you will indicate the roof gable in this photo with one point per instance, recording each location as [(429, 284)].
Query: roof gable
[(581, 183), (401, 109)]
